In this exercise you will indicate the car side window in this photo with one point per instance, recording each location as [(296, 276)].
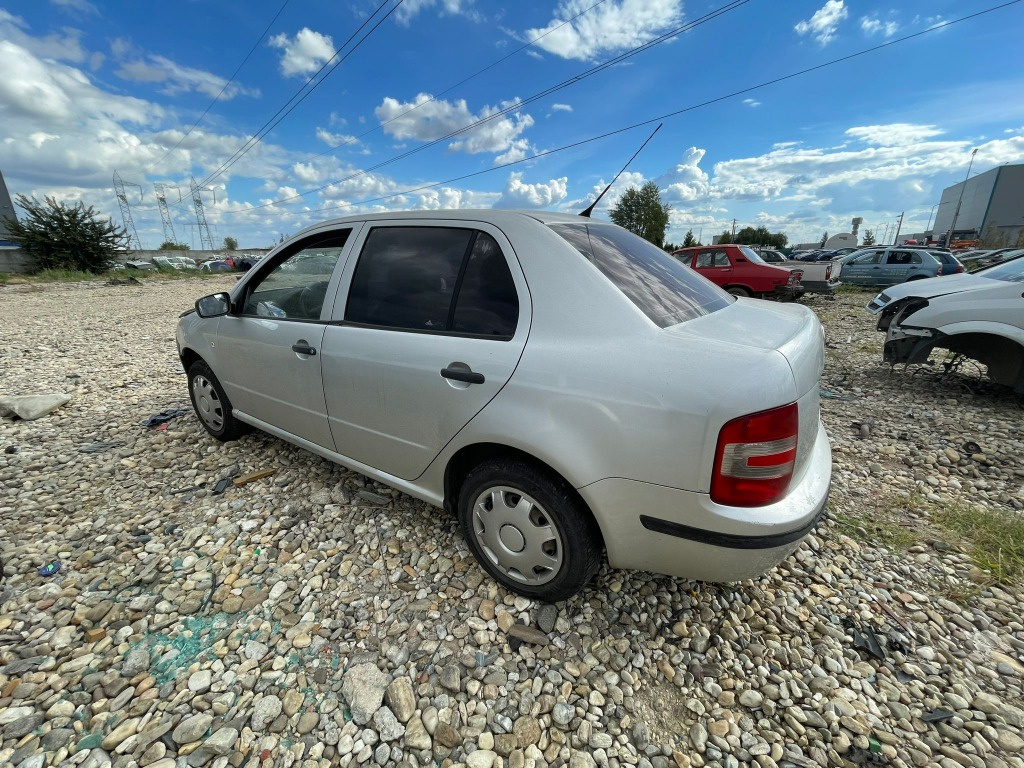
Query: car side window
[(296, 287), (868, 258), (487, 304), (707, 259), (915, 258), (440, 279), (899, 258)]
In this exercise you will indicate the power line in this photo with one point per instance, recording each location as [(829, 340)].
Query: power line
[(451, 88), (642, 123), (523, 102), (275, 120), (229, 82)]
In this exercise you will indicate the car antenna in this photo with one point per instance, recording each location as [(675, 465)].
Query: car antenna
[(586, 214)]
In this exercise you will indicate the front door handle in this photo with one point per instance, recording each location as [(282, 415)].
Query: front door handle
[(301, 347), (459, 374)]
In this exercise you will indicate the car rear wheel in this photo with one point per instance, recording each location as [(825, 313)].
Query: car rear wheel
[(211, 404), (735, 290), (528, 529)]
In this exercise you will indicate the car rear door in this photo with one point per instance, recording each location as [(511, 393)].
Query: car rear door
[(268, 350), (429, 325), (863, 269)]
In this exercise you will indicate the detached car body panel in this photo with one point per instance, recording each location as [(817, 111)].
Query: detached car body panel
[(980, 316), (414, 347)]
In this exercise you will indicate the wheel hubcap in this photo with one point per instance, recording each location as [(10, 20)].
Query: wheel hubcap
[(517, 536), (208, 405)]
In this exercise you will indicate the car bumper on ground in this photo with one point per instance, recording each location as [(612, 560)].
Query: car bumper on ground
[(680, 533), (788, 292)]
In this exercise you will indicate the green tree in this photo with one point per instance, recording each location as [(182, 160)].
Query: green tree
[(760, 236), (230, 244), (869, 237), (642, 213), (168, 245), (689, 241), (824, 239), (57, 236)]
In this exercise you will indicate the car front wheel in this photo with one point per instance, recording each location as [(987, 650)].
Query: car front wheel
[(528, 529), (211, 404)]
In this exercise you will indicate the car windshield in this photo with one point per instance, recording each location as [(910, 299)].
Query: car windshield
[(752, 255), (657, 283), (1008, 271)]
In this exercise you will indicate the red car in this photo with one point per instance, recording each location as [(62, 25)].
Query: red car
[(741, 272)]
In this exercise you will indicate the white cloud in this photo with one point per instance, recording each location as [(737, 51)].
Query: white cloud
[(39, 138), (872, 27), (410, 8), (752, 103), (686, 182), (305, 53), (66, 46), (287, 192), (82, 6), (335, 139), (823, 24), (614, 25), (180, 79), (541, 195), (897, 134), (427, 119), (561, 108)]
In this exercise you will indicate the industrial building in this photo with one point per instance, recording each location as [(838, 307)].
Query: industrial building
[(992, 208), (6, 211)]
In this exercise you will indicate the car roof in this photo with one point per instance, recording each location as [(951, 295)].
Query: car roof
[(492, 215)]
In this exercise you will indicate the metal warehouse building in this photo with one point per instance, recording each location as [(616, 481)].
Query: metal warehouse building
[(993, 206)]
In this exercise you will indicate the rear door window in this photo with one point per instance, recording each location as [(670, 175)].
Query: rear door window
[(660, 286), (434, 279)]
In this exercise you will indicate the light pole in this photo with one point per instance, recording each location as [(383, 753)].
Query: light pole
[(927, 227), (952, 226), (899, 224)]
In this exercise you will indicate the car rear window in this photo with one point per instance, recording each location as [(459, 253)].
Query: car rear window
[(662, 288)]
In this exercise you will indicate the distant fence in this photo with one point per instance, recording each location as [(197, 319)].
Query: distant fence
[(15, 261)]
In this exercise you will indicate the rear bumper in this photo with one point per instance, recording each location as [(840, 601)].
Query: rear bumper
[(680, 533), (826, 287), (788, 292)]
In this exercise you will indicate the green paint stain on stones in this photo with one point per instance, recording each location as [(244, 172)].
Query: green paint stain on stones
[(90, 741)]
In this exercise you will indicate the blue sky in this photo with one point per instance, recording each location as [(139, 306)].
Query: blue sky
[(92, 87)]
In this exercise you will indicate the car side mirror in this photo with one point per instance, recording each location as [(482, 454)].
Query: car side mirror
[(214, 305)]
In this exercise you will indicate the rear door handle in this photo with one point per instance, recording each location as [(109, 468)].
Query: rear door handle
[(301, 347), (458, 374)]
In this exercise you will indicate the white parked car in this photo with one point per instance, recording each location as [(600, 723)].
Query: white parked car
[(978, 315), (566, 389)]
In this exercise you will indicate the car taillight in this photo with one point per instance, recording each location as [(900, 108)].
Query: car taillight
[(755, 457), (828, 271), (959, 269), (939, 273)]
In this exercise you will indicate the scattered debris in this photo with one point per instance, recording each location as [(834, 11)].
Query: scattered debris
[(50, 569), (864, 428), (937, 716), (127, 280), (376, 498), (30, 407), (11, 449), (163, 417), (829, 395), (222, 485), (253, 476), (971, 448), (864, 639)]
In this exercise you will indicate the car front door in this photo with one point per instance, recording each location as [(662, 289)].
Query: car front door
[(269, 347), (714, 264), (863, 269), (429, 325)]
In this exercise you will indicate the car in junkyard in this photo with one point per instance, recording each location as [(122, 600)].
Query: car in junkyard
[(568, 391), (740, 271), (896, 264), (978, 316)]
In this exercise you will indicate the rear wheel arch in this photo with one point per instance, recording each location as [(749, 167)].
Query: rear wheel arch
[(466, 459)]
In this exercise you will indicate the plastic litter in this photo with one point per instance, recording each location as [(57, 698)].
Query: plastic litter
[(222, 485), (31, 407), (49, 569), (971, 447), (936, 716), (163, 417), (99, 447), (864, 639)]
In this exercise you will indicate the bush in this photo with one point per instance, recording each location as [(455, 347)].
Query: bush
[(56, 236), (168, 245)]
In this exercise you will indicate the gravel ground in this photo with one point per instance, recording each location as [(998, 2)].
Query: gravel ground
[(314, 617)]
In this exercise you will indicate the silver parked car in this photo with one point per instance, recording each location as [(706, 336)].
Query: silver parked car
[(563, 387), (978, 315)]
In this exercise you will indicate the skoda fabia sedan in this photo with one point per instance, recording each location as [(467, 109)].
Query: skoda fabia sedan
[(568, 390)]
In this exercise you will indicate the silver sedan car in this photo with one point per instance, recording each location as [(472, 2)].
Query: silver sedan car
[(566, 389)]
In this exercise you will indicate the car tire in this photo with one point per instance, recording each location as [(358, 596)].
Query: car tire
[(915, 277), (211, 404), (735, 290), (541, 541)]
